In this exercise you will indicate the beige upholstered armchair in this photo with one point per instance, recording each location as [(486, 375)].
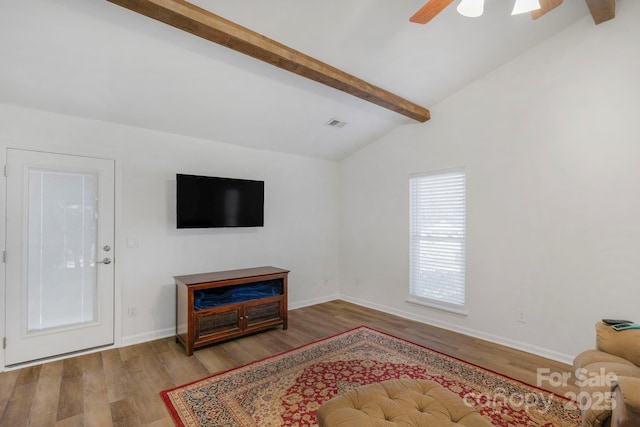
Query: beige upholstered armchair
[(609, 379)]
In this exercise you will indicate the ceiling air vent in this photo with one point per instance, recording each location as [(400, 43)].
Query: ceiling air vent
[(336, 123)]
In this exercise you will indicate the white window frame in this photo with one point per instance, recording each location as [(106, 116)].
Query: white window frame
[(437, 253)]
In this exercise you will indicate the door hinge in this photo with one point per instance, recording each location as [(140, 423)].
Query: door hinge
[(4, 343), (6, 173), (4, 257)]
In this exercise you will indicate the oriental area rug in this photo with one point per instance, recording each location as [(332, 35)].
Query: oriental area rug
[(288, 388)]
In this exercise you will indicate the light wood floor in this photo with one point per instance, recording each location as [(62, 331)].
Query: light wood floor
[(121, 386)]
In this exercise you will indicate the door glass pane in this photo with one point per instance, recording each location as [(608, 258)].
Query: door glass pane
[(61, 284)]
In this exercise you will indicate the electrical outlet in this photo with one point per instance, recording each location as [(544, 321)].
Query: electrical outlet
[(522, 316), (132, 311)]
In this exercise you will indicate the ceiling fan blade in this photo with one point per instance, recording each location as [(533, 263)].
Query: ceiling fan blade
[(429, 11), (545, 6)]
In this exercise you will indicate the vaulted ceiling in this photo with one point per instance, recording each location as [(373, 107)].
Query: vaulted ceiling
[(94, 59)]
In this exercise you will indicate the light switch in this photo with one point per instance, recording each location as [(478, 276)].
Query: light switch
[(132, 243)]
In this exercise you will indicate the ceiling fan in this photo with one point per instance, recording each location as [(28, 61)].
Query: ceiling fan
[(474, 8)]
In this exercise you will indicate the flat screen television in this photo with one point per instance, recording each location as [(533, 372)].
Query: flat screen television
[(214, 202)]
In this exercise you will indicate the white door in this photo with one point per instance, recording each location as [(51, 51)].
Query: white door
[(59, 254)]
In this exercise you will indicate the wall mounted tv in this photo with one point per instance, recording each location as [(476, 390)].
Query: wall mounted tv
[(213, 202)]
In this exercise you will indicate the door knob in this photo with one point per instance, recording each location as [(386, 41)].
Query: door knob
[(104, 261), (106, 248)]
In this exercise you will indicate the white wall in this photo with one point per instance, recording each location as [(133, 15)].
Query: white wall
[(551, 142), (301, 212)]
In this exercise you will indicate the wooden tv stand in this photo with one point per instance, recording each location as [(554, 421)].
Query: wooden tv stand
[(199, 327)]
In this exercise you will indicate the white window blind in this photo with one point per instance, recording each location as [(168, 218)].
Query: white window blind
[(437, 248)]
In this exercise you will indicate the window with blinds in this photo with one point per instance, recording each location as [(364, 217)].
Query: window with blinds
[(437, 248)]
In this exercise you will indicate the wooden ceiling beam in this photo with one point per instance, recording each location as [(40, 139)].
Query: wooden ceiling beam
[(602, 10), (202, 23)]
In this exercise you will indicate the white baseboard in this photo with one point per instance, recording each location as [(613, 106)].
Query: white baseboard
[(313, 301), (148, 336), (518, 345)]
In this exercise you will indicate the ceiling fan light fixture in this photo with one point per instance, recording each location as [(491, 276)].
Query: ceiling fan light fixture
[(524, 6), (471, 8)]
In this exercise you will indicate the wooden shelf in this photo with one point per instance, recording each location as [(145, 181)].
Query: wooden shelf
[(199, 327)]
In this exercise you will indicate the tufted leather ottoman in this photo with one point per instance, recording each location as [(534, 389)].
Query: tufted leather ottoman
[(399, 403)]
